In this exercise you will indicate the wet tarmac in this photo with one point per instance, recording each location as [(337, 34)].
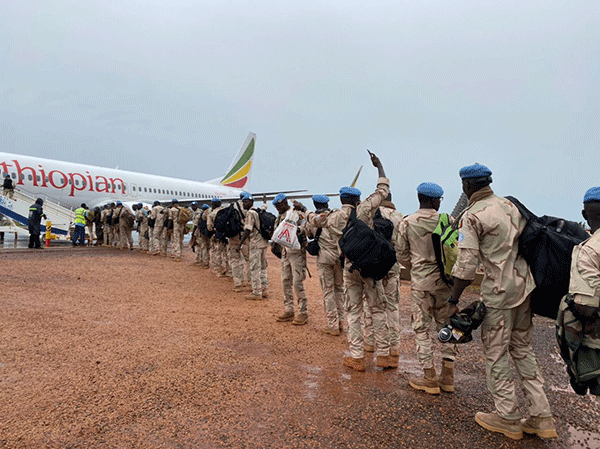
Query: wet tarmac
[(110, 348)]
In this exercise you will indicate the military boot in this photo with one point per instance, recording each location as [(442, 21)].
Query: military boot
[(493, 422), (285, 316), (386, 361), (356, 364), (447, 376), (428, 383), (300, 319), (542, 427)]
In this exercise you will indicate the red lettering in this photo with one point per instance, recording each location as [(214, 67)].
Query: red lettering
[(101, 180), (43, 175), (113, 180), (89, 177), (5, 166), (51, 179), (73, 186), (20, 171)]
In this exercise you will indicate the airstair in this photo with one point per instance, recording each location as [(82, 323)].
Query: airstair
[(16, 213)]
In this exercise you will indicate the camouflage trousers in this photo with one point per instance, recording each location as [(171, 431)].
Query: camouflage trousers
[(142, 240), (358, 290), (203, 250), (391, 289), (106, 238), (507, 332), (428, 308), (157, 238), (236, 260), (125, 234), (219, 256), (90, 231), (115, 238), (165, 238), (177, 240), (258, 270), (332, 285), (293, 273)]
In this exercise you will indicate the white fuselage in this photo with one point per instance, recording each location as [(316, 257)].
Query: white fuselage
[(72, 184)]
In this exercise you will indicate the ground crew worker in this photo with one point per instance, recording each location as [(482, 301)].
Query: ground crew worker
[(8, 188), (580, 327), (106, 217), (141, 216), (178, 229), (125, 217), (203, 239), (36, 213), (331, 274), (293, 268), (257, 252), (429, 293), (79, 231), (157, 218), (489, 234), (220, 256), (391, 288)]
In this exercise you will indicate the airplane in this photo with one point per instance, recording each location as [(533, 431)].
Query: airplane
[(71, 184)]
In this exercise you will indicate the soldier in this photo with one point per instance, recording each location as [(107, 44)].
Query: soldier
[(234, 252), (157, 218), (258, 250), (489, 234), (36, 213), (429, 293), (329, 265), (203, 237), (99, 229), (178, 230), (219, 255), (293, 268), (125, 217), (115, 238), (89, 224), (391, 288), (141, 216), (195, 240), (106, 217)]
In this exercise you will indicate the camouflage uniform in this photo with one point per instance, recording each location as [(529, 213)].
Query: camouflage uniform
[(178, 232), (580, 343), (235, 257), (159, 220), (220, 248), (356, 287), (204, 243), (293, 271), (330, 269), (391, 287), (258, 254), (124, 227), (107, 227), (429, 294), (141, 217), (196, 215), (489, 232)]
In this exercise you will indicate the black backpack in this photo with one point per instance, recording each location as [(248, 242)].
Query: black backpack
[(368, 250), (267, 223), (547, 244), (228, 221), (382, 225), (203, 228)]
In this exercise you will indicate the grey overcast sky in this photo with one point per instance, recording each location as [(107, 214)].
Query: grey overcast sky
[(173, 87)]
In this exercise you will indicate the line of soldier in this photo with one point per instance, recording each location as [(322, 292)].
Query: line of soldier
[(489, 230)]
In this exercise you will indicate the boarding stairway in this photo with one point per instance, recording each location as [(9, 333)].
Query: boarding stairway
[(16, 213)]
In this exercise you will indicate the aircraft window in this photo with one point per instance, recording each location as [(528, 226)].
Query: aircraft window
[(145, 189), (77, 182), (13, 176), (154, 190), (70, 182), (22, 177), (133, 188), (38, 178), (30, 177)]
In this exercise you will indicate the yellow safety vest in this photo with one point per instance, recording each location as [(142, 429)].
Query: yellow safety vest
[(80, 216)]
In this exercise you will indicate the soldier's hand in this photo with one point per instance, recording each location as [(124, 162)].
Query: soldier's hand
[(374, 160), (298, 206)]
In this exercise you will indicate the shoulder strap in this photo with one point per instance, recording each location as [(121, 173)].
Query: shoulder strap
[(436, 240), (527, 214)]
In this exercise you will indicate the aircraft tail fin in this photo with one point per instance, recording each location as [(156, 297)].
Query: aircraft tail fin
[(238, 172)]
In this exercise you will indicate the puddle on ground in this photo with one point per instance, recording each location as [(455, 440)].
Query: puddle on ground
[(583, 439)]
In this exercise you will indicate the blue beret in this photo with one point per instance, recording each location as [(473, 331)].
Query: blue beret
[(216, 200), (279, 198), (140, 204), (475, 171), (205, 206), (119, 203), (430, 189), (246, 196), (320, 199), (194, 203), (346, 192), (592, 194)]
